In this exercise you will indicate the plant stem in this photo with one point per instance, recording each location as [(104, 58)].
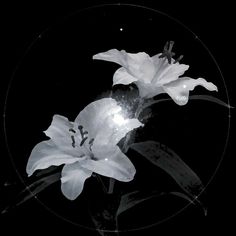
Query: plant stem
[(111, 185), (101, 182)]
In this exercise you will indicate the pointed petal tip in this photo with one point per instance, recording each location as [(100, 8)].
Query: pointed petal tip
[(131, 177), (141, 124), (215, 88), (208, 85), (73, 177), (29, 169), (105, 54), (95, 57), (69, 197), (29, 173)]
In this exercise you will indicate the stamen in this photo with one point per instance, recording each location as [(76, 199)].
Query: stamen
[(167, 51), (72, 130), (166, 46), (171, 44), (82, 133), (91, 144), (80, 127), (73, 141), (178, 59), (83, 140), (91, 141), (168, 54), (94, 158)]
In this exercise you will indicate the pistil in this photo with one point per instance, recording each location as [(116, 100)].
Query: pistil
[(167, 51)]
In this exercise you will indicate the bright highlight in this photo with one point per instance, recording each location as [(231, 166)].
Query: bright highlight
[(119, 119)]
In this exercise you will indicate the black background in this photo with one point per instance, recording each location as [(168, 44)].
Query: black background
[(22, 23)]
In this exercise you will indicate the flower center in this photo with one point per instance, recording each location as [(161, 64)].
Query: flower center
[(83, 134)]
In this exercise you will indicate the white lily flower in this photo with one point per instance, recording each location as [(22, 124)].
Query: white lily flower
[(87, 145), (154, 75)]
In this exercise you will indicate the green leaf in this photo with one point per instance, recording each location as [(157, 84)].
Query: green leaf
[(33, 189), (132, 199), (194, 201), (44, 172), (103, 213), (208, 98), (166, 159)]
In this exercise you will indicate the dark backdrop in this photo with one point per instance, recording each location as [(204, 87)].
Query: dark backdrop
[(40, 90)]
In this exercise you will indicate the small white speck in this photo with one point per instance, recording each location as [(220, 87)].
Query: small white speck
[(106, 159), (184, 86), (121, 29)]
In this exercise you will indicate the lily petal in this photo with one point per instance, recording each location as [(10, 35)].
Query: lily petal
[(73, 177), (121, 76), (93, 117), (110, 162), (179, 90), (46, 154), (148, 90), (59, 126), (59, 132), (139, 65), (112, 55), (167, 72)]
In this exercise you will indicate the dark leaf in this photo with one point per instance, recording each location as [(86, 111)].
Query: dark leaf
[(103, 214), (132, 199), (43, 172), (33, 189), (208, 98), (194, 201), (183, 196), (163, 157)]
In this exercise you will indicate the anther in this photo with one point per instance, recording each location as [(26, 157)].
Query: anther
[(94, 158), (91, 141), (73, 141), (72, 130), (82, 133), (91, 144), (83, 140), (167, 51)]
